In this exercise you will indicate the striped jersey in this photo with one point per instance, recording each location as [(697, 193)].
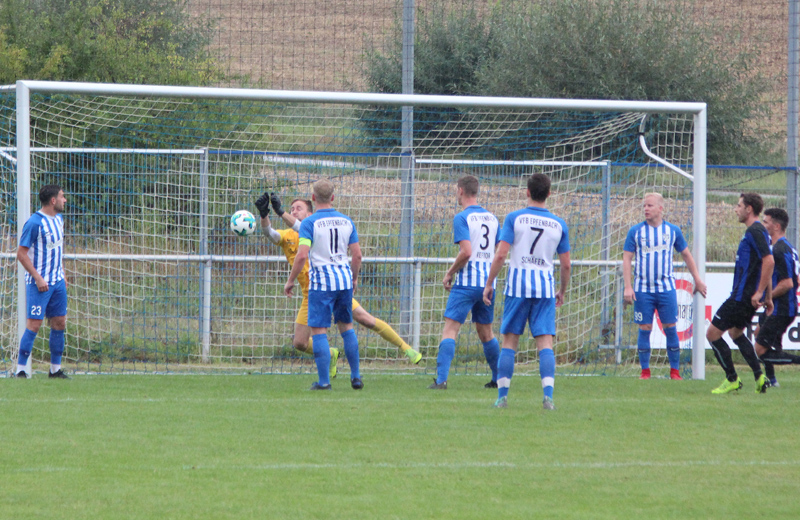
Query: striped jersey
[(479, 227), (755, 245), (786, 266), (536, 236), (329, 234), (653, 246), (44, 236)]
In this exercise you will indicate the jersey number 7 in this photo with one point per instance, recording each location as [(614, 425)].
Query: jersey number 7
[(539, 232)]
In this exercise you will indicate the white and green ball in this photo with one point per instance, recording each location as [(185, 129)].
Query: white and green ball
[(243, 223)]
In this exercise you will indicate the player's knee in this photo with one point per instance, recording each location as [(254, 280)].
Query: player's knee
[(646, 327), (365, 319), (484, 332), (58, 322)]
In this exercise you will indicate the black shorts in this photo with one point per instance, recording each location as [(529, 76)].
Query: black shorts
[(733, 315), (771, 331)]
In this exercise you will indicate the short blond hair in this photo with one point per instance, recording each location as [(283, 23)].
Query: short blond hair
[(323, 191), (657, 196)]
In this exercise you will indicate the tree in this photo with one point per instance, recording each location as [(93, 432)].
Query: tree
[(592, 49), (122, 41)]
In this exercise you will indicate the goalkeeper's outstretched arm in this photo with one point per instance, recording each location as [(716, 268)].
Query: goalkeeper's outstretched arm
[(262, 203), (285, 215)]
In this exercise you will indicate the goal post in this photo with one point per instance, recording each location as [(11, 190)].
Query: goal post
[(152, 172)]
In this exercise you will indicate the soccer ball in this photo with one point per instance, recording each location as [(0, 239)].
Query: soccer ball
[(243, 223)]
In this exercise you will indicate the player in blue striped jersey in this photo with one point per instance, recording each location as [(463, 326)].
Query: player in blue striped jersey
[(475, 232), (752, 289), (325, 238), (653, 289), (533, 236), (40, 252), (785, 280)]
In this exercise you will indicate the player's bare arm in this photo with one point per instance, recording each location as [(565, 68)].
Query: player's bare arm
[(497, 265), (627, 269), (355, 262), (464, 252), (297, 266), (764, 285), (783, 287), (27, 264), (699, 285), (566, 272)]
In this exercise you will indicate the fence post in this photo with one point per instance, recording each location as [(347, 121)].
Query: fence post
[(417, 304), (23, 203), (407, 169), (792, 109), (205, 267), (605, 241)]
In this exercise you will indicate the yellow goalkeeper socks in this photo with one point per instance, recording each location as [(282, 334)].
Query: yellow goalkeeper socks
[(386, 332)]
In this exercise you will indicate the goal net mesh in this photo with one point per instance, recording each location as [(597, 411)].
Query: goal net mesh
[(151, 183)]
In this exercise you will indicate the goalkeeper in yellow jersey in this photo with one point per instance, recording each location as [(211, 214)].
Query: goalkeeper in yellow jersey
[(288, 240)]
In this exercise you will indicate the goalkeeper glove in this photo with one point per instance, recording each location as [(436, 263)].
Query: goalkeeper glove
[(276, 204), (262, 203)]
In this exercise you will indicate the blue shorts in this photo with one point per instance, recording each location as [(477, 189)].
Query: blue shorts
[(462, 300), (666, 303), (540, 313), (321, 304), (48, 304)]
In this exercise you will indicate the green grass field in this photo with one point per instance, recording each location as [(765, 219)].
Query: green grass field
[(174, 447)]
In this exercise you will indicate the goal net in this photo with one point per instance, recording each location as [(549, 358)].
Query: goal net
[(158, 282)]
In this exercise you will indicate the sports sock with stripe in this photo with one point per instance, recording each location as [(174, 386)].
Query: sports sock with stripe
[(723, 354), (505, 371), (56, 348), (547, 370), (749, 354)]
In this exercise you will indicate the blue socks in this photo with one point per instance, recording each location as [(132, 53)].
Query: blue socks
[(322, 357), (26, 346), (673, 347), (491, 349), (643, 345), (351, 351), (56, 346), (505, 370), (447, 351), (547, 370)]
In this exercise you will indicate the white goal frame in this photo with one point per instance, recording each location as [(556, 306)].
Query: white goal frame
[(698, 111)]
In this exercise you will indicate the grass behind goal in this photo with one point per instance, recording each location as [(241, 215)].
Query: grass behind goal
[(240, 447)]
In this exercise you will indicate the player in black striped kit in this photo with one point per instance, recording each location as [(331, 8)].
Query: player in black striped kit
[(752, 289), (772, 327)]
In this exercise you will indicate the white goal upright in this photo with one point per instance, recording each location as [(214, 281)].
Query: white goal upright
[(157, 282)]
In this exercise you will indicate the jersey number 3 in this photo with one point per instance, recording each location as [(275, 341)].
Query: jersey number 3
[(485, 229)]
